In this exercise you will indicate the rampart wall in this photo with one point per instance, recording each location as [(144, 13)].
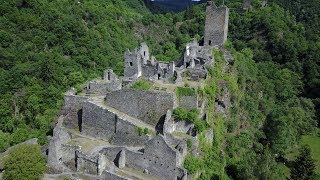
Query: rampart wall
[(100, 123), (72, 110), (148, 106)]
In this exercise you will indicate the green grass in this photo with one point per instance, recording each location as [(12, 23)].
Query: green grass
[(314, 143), (185, 91), (142, 85)]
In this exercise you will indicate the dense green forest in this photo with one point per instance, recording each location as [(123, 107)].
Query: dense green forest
[(48, 46)]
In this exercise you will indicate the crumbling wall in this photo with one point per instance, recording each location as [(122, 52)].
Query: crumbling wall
[(102, 87), (132, 64), (216, 27), (127, 134), (147, 106), (168, 126), (110, 82), (86, 164), (183, 126), (72, 109), (55, 154), (98, 122), (68, 153)]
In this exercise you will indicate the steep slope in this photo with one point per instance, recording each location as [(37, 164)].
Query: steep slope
[(48, 46)]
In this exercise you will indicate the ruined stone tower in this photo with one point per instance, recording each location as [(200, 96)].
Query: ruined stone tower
[(216, 27)]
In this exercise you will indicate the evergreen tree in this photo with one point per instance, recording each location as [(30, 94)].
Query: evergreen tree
[(304, 166)]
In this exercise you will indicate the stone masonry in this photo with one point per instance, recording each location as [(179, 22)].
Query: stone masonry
[(216, 27), (111, 131)]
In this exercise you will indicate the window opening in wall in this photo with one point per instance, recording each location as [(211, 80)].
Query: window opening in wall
[(209, 42), (159, 75), (144, 53), (187, 64), (109, 76), (130, 63)]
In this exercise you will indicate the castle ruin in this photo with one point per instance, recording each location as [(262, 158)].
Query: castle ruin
[(113, 131), (216, 27)]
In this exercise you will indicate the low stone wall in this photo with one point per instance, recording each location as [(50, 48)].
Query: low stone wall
[(111, 176), (103, 87), (147, 106), (86, 164)]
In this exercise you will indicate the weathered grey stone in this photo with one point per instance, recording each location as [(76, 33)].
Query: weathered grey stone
[(148, 106), (122, 159), (86, 163), (110, 82), (72, 110), (55, 150), (168, 126), (216, 27)]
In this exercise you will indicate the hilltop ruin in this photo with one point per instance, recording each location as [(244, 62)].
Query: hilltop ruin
[(113, 131)]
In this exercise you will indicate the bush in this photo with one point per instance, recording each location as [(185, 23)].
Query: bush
[(183, 114), (143, 131), (24, 162), (192, 164)]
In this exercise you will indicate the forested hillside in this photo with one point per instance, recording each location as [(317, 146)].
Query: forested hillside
[(48, 46)]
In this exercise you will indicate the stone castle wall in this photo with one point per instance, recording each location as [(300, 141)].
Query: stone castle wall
[(102, 87), (109, 82), (127, 134), (68, 153), (216, 27), (148, 106), (72, 110), (86, 164), (100, 123)]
